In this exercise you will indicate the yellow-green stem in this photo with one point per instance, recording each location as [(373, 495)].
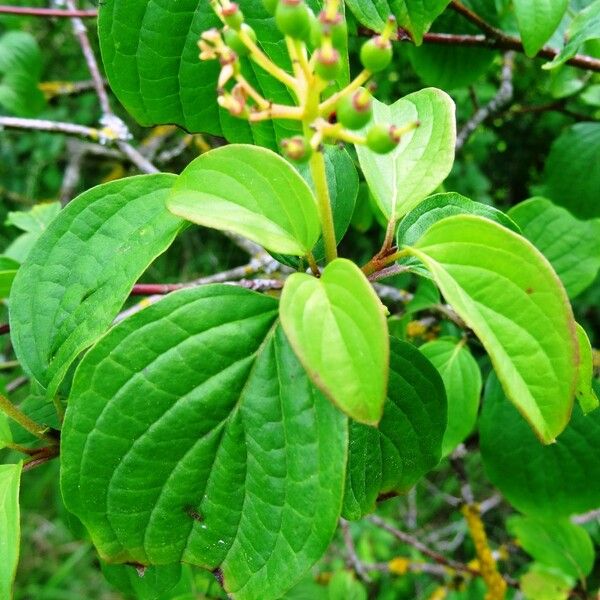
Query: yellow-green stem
[(12, 412)]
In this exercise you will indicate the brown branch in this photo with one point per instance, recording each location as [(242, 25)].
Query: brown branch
[(48, 12), (353, 557)]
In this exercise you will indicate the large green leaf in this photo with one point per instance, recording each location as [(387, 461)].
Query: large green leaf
[(10, 528), (20, 69), (572, 171), (549, 481), (82, 269), (538, 20), (154, 584), (337, 327), (572, 246), (588, 400), (462, 380), (251, 191), (506, 291), (252, 457), (407, 443), (407, 175), (556, 543), (150, 53), (584, 27)]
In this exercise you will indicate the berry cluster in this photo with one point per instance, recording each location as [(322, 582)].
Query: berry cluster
[(316, 44)]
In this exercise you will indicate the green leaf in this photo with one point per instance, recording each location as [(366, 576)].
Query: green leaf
[(252, 457), (572, 246), (10, 529), (342, 181), (585, 392), (337, 327), (572, 171), (544, 583), (548, 481), (416, 16), (82, 268), (555, 543), (251, 191), (462, 380), (506, 291), (5, 432), (440, 206), (584, 27), (33, 222), (20, 69), (538, 20), (344, 586), (408, 442), (155, 582), (403, 178), (8, 270)]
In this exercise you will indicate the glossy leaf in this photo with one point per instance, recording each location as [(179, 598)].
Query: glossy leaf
[(250, 476), (10, 528), (555, 543), (155, 583), (408, 442), (538, 20), (440, 206), (403, 178), (462, 380), (588, 400), (251, 191), (572, 246), (342, 181), (572, 171), (547, 481), (506, 291), (584, 27), (80, 271), (337, 327)]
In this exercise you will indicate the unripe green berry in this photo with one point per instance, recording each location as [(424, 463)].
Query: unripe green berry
[(232, 39), (328, 64), (293, 18), (296, 148), (376, 54), (336, 28), (270, 6), (233, 16), (382, 139), (355, 111)]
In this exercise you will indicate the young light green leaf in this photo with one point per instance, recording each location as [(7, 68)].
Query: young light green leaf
[(403, 178), (10, 528), (572, 170), (251, 191), (544, 583), (82, 268), (337, 327), (416, 16), (252, 457), (555, 543), (588, 400), (408, 442), (462, 380), (584, 27), (506, 291), (572, 246), (33, 223), (538, 20), (546, 481)]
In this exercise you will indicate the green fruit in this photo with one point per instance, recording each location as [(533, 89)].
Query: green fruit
[(355, 111), (233, 16), (382, 139), (328, 64), (232, 39), (296, 148), (335, 28), (270, 6), (376, 54), (293, 18)]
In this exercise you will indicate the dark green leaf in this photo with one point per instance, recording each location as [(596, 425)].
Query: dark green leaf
[(408, 442), (10, 527), (82, 269), (548, 481), (151, 585), (251, 469)]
